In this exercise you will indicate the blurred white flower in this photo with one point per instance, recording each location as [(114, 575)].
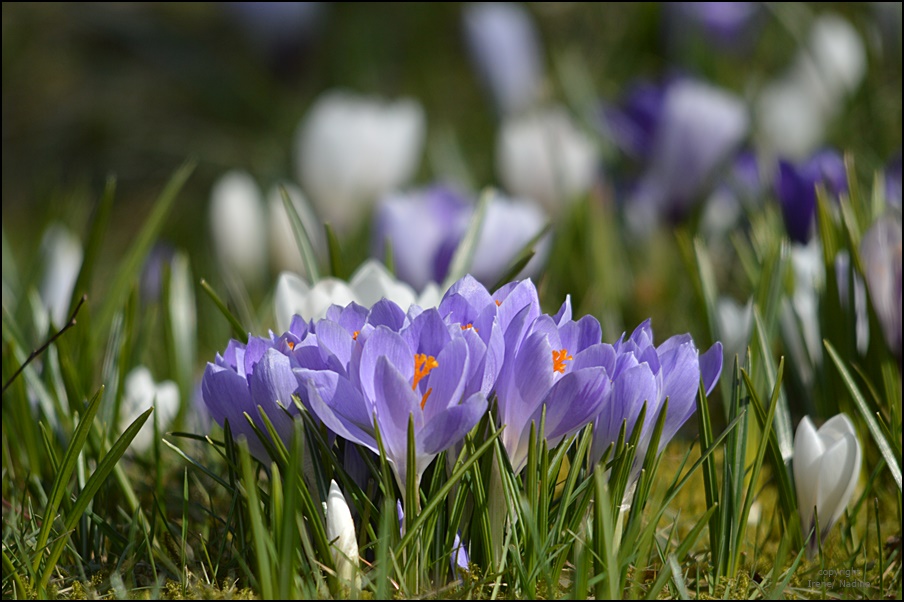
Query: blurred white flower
[(284, 251), (340, 531), (140, 393), (370, 283), (735, 323), (62, 255), (543, 155), (826, 469), (238, 225), (503, 43), (794, 111), (351, 149)]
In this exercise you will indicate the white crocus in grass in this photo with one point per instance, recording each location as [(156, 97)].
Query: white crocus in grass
[(340, 531), (826, 469), (141, 392), (543, 155), (795, 110), (238, 226), (370, 283), (62, 253), (352, 149)]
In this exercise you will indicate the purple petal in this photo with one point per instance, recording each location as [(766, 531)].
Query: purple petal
[(452, 425), (344, 412), (446, 382), (711, 367), (395, 403), (384, 342), (573, 402)]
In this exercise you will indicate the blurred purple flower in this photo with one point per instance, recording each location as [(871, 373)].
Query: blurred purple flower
[(640, 372), (398, 370), (893, 182), (460, 559), (727, 24), (632, 124), (258, 374), (698, 129), (795, 188), (425, 227), (504, 48), (880, 251)]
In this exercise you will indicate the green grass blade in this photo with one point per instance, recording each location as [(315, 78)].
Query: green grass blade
[(885, 448), (301, 237), (464, 254)]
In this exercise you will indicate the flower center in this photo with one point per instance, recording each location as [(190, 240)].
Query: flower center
[(355, 335), (291, 345), (559, 357), (423, 364), (467, 326)]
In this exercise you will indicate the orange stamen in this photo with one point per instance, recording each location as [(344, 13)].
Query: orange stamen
[(469, 325), (424, 398), (423, 364), (355, 335), (559, 357), (498, 302), (291, 345)]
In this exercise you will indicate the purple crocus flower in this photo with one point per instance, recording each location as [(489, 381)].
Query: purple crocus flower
[(424, 228), (632, 124), (251, 376), (641, 372), (893, 182), (727, 24), (880, 251), (549, 366), (696, 131), (398, 369), (505, 49), (795, 186)]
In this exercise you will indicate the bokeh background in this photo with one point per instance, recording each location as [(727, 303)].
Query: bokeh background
[(135, 89)]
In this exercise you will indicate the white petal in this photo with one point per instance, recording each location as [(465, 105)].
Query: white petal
[(372, 282), (289, 299), (62, 253), (340, 530), (840, 469), (238, 226), (808, 452)]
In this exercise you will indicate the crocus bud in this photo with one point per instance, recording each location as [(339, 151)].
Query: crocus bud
[(238, 225), (826, 468), (62, 254), (141, 392), (340, 530)]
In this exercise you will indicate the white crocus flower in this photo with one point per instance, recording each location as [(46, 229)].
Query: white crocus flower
[(370, 283), (62, 254), (544, 156), (295, 296), (238, 225), (504, 47), (141, 392), (826, 469), (340, 531), (352, 149), (794, 111)]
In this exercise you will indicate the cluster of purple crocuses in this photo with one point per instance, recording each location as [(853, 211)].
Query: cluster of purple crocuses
[(360, 369)]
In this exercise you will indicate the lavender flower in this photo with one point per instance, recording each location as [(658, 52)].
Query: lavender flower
[(698, 129), (549, 367), (880, 251), (795, 188), (425, 227), (641, 372), (393, 370), (252, 376), (504, 47)]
